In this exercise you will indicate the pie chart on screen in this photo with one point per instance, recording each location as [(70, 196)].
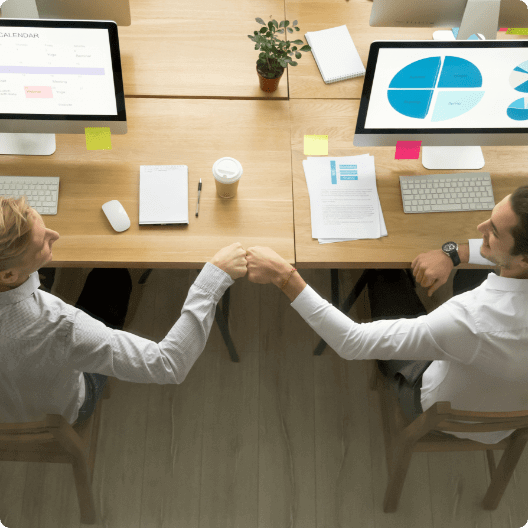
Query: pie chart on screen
[(519, 77), (518, 110)]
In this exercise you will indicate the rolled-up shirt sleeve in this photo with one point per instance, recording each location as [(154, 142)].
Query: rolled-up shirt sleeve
[(417, 338), (94, 347)]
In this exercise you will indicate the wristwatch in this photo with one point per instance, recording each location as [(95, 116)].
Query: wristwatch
[(451, 250)]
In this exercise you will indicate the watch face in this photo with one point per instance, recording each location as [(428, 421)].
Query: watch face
[(449, 246)]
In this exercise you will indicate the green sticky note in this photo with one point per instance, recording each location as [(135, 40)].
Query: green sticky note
[(98, 138), (517, 31), (316, 145)]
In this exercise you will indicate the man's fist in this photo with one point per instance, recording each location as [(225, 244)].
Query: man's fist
[(265, 266), (432, 269), (232, 260)]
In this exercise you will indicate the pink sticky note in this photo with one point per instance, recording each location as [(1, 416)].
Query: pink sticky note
[(503, 29), (408, 149), (38, 92)]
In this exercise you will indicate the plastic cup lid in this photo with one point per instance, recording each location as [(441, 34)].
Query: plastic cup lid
[(227, 170)]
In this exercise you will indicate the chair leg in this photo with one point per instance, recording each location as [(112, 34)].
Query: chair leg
[(503, 472), (84, 492), (401, 458)]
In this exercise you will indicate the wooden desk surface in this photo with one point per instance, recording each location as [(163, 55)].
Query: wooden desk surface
[(190, 49), (408, 234), (172, 132), (305, 80)]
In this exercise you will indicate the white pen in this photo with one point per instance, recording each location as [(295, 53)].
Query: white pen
[(199, 191)]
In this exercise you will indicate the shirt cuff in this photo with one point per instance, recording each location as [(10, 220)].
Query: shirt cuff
[(307, 302), (474, 253), (213, 280)]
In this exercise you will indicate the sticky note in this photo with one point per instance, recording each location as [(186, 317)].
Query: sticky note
[(316, 145), (408, 149), (517, 31), (98, 138), (503, 29)]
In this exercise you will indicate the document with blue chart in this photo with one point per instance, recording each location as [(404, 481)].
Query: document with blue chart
[(344, 201)]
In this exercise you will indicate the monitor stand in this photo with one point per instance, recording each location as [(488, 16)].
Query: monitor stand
[(452, 158), (447, 35), (27, 144)]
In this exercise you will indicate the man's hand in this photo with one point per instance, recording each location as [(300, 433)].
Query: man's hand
[(432, 269), (265, 266), (232, 260)]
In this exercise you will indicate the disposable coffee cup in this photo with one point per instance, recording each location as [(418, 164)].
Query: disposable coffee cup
[(227, 173)]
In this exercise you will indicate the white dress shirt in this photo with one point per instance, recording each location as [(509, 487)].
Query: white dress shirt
[(478, 341), (46, 345)]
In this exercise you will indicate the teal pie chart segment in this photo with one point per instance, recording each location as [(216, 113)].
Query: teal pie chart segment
[(412, 90), (518, 110), (420, 74), (453, 104), (519, 78), (459, 73)]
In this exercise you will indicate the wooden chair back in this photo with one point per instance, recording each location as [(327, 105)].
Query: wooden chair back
[(424, 434)]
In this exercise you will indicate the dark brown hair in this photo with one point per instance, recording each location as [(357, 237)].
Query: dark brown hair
[(519, 203)]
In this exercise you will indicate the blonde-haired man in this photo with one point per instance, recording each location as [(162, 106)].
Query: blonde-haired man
[(55, 358)]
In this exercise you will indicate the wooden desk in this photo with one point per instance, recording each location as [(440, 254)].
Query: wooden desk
[(408, 234), (172, 132), (190, 49), (305, 80)]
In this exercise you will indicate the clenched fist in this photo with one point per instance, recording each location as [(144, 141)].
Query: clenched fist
[(432, 269), (232, 260)]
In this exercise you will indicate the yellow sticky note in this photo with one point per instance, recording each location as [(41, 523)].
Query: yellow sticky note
[(316, 145), (98, 138)]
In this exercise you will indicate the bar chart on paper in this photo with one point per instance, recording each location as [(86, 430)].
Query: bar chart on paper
[(412, 89)]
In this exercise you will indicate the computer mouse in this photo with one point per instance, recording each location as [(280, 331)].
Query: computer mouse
[(116, 215)]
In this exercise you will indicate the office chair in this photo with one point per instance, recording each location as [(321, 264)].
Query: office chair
[(402, 438)]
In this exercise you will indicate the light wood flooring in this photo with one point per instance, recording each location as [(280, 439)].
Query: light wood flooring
[(282, 439)]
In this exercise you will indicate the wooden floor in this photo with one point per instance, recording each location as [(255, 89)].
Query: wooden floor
[(280, 440)]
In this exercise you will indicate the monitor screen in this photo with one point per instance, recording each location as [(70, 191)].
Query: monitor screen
[(59, 71), (445, 92)]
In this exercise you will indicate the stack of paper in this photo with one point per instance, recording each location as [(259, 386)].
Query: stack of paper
[(344, 201)]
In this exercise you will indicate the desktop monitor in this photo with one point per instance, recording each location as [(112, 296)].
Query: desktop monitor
[(464, 93), (471, 16), (57, 76), (116, 10)]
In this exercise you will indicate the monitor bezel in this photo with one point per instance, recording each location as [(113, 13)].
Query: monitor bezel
[(369, 79), (111, 26)]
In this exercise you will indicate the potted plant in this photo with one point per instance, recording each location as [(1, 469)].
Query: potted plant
[(275, 54)]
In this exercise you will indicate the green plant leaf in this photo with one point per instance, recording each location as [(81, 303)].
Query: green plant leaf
[(294, 23), (297, 29), (290, 30), (281, 24), (260, 21), (293, 64), (306, 48), (280, 31), (275, 23), (286, 23), (298, 42), (257, 46), (297, 55), (263, 30)]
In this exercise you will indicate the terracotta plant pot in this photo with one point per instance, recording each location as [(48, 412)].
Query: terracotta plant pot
[(269, 85)]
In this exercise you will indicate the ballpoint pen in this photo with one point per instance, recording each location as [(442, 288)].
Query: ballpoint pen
[(199, 191)]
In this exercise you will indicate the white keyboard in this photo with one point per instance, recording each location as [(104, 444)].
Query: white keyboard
[(464, 191), (42, 192)]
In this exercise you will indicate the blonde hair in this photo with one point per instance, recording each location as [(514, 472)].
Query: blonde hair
[(16, 224)]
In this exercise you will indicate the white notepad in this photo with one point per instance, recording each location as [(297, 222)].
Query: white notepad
[(163, 194), (335, 54)]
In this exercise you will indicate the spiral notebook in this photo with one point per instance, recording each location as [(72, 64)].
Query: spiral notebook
[(335, 54), (163, 194)]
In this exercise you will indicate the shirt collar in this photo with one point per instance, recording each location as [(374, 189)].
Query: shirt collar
[(23, 291), (496, 282)]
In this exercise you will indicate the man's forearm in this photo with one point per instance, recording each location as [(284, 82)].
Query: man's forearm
[(463, 253)]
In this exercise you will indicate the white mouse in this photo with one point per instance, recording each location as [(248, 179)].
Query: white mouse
[(116, 215)]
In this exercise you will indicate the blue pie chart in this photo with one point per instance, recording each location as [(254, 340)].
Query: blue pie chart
[(412, 89), (518, 110), (519, 77)]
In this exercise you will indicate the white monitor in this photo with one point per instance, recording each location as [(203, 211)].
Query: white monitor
[(445, 94), (116, 10), (57, 76), (471, 16)]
